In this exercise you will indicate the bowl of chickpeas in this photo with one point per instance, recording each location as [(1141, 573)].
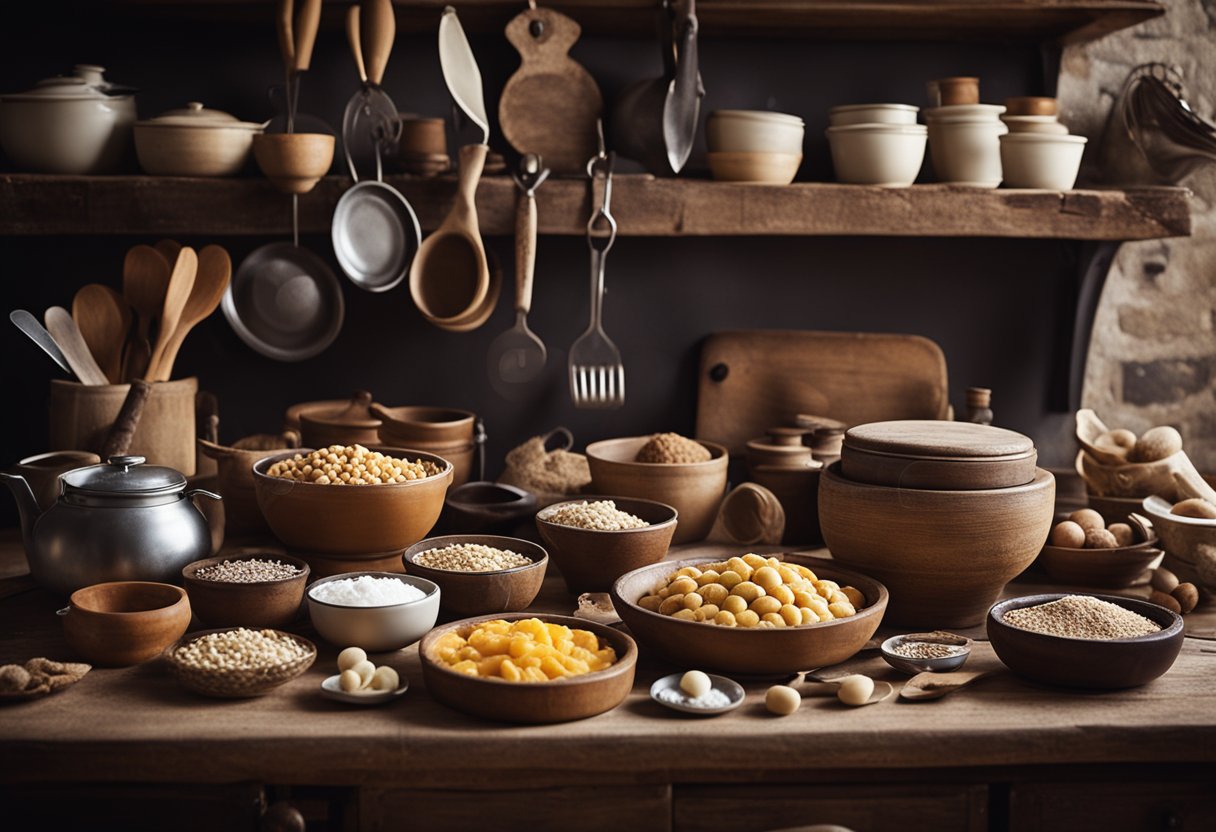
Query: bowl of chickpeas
[(480, 573), (528, 668), (750, 614), (351, 502)]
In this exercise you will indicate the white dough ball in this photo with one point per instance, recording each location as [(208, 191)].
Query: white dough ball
[(695, 683)]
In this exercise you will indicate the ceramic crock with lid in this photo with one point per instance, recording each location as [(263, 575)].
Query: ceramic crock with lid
[(194, 141)]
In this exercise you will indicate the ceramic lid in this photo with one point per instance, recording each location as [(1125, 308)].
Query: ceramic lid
[(938, 439), (125, 475), (85, 84), (194, 114)]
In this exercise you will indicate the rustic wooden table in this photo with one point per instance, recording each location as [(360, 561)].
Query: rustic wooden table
[(1006, 753)]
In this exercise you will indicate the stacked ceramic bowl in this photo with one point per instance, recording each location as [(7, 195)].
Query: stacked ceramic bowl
[(965, 143), (1038, 151), (876, 144), (754, 146)]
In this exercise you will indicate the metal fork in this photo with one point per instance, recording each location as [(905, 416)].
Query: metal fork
[(597, 376)]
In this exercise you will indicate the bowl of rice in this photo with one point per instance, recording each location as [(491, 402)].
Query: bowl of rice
[(378, 611)]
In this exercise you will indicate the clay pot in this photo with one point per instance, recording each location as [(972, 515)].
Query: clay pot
[(349, 423), (258, 605), (234, 481), (482, 593)]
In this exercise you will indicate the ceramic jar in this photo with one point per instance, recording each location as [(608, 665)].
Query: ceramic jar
[(194, 141)]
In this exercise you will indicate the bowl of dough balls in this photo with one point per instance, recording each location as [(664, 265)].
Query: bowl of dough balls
[(687, 474), (751, 614), (1085, 550), (528, 668)]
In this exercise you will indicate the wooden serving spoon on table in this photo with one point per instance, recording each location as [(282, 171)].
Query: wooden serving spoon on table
[(145, 279), (67, 335), (181, 284), (925, 686), (104, 320), (210, 283)]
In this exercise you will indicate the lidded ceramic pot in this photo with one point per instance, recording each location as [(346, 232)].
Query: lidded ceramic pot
[(194, 141)]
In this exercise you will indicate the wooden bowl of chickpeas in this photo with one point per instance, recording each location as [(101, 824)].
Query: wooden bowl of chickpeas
[(750, 614), (352, 502)]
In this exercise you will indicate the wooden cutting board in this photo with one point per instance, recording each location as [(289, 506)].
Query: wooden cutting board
[(551, 103), (753, 380)]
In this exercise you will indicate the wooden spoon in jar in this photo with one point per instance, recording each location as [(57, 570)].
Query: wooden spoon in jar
[(104, 320), (145, 279), (181, 284), (67, 335), (210, 283)]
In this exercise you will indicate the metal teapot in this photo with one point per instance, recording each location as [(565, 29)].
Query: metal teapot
[(118, 521)]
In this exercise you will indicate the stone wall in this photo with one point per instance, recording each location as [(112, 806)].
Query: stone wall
[(1153, 354)]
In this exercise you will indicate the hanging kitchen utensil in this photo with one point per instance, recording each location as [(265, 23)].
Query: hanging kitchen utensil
[(210, 284), (460, 71), (551, 104), (655, 122), (104, 319), (67, 336), (370, 123), (37, 333), (145, 279), (517, 356), (296, 41), (597, 375)]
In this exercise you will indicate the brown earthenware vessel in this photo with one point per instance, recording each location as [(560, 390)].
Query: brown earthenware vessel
[(482, 593), (259, 604), (122, 623)]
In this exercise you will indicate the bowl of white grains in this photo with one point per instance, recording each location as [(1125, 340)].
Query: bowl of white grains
[(480, 574), (238, 662), (1085, 641), (377, 611), (256, 591)]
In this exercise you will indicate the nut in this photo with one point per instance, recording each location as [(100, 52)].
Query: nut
[(1119, 441), (1162, 600), (1123, 533), (1068, 535), (1156, 443), (1164, 580), (1087, 519), (1187, 596), (1194, 507), (1100, 539), (1205, 564)]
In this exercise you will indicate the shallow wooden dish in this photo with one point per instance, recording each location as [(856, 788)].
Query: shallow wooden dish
[(1110, 568), (945, 555), (294, 162), (482, 593), (256, 605), (122, 623), (741, 650), (694, 489), (1086, 663), (576, 697), (237, 684), (351, 521), (590, 559)]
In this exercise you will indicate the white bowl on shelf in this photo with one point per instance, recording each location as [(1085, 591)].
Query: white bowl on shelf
[(848, 114), (754, 131), (1042, 161), (967, 151), (887, 155)]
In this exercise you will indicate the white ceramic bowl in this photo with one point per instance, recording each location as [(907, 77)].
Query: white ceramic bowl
[(1039, 160), (888, 155), (967, 152), (872, 114), (754, 131), (965, 112), (375, 629)]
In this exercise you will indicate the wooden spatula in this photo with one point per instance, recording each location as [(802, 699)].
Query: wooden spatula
[(66, 334), (104, 320), (181, 284), (210, 283), (145, 279)]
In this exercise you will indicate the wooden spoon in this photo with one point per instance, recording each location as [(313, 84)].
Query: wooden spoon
[(210, 284), (145, 279), (67, 335), (181, 284), (926, 686), (104, 320)]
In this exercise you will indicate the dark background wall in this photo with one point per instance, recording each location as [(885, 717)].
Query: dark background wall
[(994, 305)]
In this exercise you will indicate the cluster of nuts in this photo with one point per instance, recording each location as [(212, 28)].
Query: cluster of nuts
[(752, 591), (1168, 592), (240, 649), (1085, 529), (358, 675), (671, 448), (600, 516), (351, 465), (1154, 444)]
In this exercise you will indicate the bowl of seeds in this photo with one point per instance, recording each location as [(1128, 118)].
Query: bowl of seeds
[(246, 590), (236, 663), (1085, 641), (934, 652), (595, 540), (479, 574)]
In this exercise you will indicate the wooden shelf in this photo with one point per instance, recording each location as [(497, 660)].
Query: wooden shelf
[(1070, 21), (32, 204)]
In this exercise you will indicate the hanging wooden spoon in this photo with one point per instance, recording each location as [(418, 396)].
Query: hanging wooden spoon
[(66, 334), (181, 284), (925, 686), (210, 284), (104, 320), (145, 279)]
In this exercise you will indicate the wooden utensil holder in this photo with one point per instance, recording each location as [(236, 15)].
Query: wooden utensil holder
[(82, 414)]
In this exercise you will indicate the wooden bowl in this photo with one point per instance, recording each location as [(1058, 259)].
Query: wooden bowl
[(240, 684), (590, 560), (757, 167), (945, 555), (482, 593), (351, 521), (576, 697), (349, 423), (294, 162), (695, 489), (257, 605), (1111, 568), (122, 623), (1181, 536), (487, 508), (1133, 479), (742, 650), (1086, 663), (422, 427)]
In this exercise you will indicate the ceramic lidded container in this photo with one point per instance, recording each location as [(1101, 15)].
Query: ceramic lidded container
[(194, 141)]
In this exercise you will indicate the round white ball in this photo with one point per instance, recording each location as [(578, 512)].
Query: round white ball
[(695, 683), (855, 690), (782, 700), (350, 657)]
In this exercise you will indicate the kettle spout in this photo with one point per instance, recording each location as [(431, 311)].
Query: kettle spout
[(26, 504)]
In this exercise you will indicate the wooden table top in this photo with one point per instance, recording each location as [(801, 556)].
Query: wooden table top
[(136, 724)]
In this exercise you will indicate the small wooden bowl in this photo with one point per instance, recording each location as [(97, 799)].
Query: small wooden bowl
[(258, 605), (421, 427), (351, 521), (1031, 105), (294, 162), (122, 623), (590, 559), (1109, 568), (762, 168), (576, 697), (487, 508), (482, 593), (1086, 663), (694, 489), (1132, 479), (240, 684), (743, 650)]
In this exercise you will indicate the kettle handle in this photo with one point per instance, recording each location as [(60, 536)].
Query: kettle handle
[(202, 492)]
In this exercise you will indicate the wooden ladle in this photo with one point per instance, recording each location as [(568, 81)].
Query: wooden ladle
[(211, 281), (145, 279), (104, 320), (181, 284)]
